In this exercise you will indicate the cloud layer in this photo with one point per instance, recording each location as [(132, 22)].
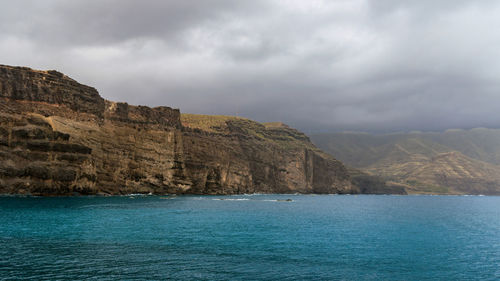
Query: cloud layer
[(380, 65)]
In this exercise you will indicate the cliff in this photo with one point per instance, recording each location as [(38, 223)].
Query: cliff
[(59, 137)]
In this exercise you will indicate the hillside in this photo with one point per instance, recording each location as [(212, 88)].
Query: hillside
[(59, 137), (451, 162)]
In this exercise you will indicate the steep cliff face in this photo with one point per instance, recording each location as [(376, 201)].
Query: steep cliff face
[(59, 137), (270, 158)]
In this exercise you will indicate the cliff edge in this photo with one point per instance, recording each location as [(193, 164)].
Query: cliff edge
[(59, 137)]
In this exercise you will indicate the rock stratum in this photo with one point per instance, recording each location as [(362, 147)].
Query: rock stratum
[(59, 137)]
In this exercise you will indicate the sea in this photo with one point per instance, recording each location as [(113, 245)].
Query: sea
[(250, 237)]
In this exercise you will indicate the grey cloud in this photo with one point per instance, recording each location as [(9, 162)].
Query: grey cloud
[(379, 65), (96, 22)]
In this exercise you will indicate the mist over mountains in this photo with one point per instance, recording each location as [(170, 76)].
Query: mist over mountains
[(454, 161)]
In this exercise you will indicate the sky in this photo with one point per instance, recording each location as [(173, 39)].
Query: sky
[(319, 66)]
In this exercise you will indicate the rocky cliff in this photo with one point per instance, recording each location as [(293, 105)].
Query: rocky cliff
[(59, 137)]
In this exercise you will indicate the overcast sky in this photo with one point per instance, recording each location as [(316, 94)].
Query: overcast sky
[(380, 65)]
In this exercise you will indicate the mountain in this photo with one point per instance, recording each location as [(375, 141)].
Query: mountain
[(59, 137), (450, 162)]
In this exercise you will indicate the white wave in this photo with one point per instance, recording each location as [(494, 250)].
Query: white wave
[(249, 194), (232, 199), (138, 194)]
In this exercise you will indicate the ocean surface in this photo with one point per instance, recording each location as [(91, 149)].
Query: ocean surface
[(252, 237)]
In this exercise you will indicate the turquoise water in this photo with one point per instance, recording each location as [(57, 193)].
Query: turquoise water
[(250, 238)]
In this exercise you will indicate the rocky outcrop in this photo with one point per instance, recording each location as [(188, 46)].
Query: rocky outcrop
[(25, 84), (58, 137), (36, 159), (372, 184)]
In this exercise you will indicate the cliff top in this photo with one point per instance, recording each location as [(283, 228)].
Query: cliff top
[(208, 123), (54, 88), (28, 69), (275, 132)]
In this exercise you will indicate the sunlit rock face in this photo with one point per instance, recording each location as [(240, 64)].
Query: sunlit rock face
[(59, 137)]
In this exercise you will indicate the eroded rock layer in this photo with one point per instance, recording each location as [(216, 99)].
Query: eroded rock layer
[(58, 137)]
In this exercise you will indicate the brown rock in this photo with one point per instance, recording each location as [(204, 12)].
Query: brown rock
[(61, 138)]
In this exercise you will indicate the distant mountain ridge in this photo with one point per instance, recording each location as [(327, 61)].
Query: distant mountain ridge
[(450, 162)]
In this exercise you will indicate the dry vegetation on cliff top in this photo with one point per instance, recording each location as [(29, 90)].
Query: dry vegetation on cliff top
[(275, 132), (209, 123)]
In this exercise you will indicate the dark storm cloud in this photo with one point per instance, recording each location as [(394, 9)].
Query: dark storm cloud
[(379, 65)]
